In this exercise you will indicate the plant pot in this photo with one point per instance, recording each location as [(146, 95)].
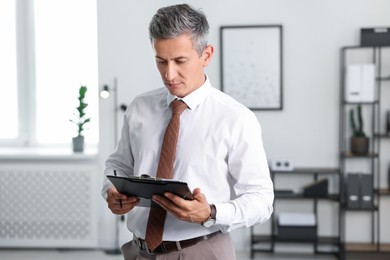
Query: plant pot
[(359, 145), (78, 143)]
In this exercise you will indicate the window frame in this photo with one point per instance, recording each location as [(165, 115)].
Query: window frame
[(26, 72), (24, 25)]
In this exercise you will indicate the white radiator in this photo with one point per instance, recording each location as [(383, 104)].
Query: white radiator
[(48, 206)]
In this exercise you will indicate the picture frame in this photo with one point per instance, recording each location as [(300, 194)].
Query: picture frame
[(252, 65)]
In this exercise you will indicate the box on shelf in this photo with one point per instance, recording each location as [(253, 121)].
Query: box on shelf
[(379, 36), (316, 189), (297, 226), (360, 83)]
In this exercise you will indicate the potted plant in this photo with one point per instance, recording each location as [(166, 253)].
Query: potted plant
[(359, 141), (80, 120)]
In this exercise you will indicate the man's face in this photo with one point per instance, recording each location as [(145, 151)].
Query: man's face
[(181, 68)]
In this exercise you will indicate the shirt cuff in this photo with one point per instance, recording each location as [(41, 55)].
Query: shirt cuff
[(106, 186), (225, 211)]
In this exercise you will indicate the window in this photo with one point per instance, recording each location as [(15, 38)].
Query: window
[(57, 54)]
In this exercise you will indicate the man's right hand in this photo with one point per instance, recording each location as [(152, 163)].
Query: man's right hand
[(119, 203)]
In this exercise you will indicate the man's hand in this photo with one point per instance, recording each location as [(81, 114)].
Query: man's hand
[(195, 211), (119, 203)]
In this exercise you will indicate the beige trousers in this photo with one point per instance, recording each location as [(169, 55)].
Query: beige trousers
[(218, 247)]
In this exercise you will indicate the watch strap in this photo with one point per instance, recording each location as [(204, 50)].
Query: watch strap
[(213, 214)]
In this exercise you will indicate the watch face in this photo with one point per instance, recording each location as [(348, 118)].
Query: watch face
[(209, 223)]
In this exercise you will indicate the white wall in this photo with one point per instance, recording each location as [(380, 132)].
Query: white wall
[(306, 130)]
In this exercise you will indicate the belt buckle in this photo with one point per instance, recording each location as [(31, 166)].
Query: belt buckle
[(143, 246)]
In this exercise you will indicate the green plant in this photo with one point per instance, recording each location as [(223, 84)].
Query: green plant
[(80, 120), (357, 130)]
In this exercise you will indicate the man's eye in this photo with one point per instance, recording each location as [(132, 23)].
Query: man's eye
[(180, 61), (160, 61)]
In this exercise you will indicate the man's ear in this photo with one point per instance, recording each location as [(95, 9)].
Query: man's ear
[(207, 54)]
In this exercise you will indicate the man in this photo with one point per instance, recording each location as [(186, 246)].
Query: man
[(219, 151)]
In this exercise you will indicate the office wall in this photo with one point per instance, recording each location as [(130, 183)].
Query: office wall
[(306, 130)]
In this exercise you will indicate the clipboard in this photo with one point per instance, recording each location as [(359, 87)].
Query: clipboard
[(145, 187)]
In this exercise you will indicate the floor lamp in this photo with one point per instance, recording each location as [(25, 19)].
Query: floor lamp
[(104, 94)]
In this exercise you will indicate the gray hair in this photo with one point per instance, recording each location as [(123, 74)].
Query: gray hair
[(173, 21)]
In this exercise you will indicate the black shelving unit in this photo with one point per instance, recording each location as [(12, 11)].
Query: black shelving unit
[(267, 242), (376, 132)]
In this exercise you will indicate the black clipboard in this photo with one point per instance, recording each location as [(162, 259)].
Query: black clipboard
[(146, 187)]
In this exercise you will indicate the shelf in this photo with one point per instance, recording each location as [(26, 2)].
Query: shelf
[(384, 192), (384, 248), (367, 248), (382, 135), (361, 103), (309, 171), (361, 247), (271, 240), (261, 238), (383, 78), (351, 47), (286, 195), (373, 208), (351, 155), (328, 240), (320, 239)]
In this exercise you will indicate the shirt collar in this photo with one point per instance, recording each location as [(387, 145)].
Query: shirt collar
[(194, 98)]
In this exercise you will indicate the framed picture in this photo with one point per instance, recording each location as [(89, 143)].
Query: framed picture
[(251, 65)]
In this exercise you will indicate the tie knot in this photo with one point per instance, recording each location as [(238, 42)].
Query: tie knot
[(178, 107)]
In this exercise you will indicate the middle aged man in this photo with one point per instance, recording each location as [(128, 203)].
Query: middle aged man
[(219, 152)]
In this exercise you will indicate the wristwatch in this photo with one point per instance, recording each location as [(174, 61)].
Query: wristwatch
[(211, 220)]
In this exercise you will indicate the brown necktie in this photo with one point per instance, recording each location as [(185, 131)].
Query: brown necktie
[(155, 227)]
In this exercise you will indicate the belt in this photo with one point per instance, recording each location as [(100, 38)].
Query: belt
[(171, 246)]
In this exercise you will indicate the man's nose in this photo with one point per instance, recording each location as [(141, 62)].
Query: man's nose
[(170, 72)]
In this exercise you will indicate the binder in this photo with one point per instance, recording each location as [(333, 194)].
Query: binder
[(353, 196), (366, 192)]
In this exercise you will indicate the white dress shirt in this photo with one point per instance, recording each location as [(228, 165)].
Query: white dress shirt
[(219, 150)]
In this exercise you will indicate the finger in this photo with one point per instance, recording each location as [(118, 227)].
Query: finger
[(127, 201), (162, 201), (177, 200), (121, 211), (196, 191), (199, 196), (113, 193), (128, 205), (168, 205), (113, 206), (130, 200), (119, 203), (117, 209)]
